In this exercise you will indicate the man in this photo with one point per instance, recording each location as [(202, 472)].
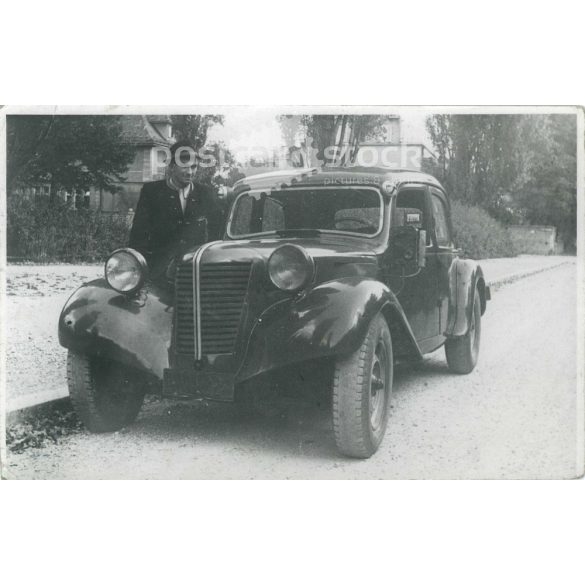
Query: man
[(175, 214)]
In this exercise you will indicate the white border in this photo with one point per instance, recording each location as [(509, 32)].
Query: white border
[(3, 399), (580, 402), (267, 532), (284, 109)]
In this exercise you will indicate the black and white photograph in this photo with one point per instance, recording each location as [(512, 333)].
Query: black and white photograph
[(292, 293), (320, 292)]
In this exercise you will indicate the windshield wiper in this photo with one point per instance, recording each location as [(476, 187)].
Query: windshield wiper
[(299, 232)]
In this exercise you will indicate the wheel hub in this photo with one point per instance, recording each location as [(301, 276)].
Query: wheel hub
[(377, 386), (474, 335)]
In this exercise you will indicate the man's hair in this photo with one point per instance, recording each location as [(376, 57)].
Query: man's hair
[(186, 152)]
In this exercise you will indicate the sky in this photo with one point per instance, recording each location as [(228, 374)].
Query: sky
[(414, 129), (245, 129)]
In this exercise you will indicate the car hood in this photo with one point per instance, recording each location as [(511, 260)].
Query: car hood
[(333, 257)]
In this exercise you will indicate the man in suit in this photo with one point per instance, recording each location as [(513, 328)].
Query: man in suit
[(175, 214)]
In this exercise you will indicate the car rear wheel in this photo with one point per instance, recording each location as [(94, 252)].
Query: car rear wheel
[(362, 390), (105, 395), (462, 352)]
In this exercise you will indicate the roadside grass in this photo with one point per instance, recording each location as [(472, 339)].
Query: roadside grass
[(45, 424), (40, 426)]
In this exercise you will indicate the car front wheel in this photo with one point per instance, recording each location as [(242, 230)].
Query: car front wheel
[(105, 395), (462, 352), (362, 390)]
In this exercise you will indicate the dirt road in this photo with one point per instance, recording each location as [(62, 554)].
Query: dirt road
[(513, 417), (35, 361)]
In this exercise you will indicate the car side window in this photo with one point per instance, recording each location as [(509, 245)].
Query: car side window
[(442, 231), (415, 199)]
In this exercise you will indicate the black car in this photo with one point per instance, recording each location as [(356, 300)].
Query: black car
[(353, 266)]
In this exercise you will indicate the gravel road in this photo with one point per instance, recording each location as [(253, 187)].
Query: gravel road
[(35, 361), (513, 417)]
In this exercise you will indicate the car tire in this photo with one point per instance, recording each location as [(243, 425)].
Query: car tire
[(462, 352), (362, 391), (105, 395)]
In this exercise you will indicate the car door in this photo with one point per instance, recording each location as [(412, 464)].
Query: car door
[(444, 250), (418, 294)]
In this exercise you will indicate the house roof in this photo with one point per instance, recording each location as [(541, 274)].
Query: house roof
[(139, 130)]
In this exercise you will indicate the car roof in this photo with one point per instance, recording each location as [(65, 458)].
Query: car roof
[(329, 176)]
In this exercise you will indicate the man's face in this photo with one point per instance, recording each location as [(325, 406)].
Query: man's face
[(183, 174)]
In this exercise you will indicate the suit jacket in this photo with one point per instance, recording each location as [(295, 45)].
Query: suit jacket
[(161, 230)]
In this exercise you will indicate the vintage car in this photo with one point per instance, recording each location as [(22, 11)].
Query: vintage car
[(354, 266)]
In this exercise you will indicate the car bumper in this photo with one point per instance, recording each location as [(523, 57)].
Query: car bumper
[(190, 383)]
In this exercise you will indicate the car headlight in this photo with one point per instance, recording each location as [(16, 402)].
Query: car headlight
[(290, 267), (126, 270)]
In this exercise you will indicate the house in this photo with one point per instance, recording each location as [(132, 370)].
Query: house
[(149, 135)]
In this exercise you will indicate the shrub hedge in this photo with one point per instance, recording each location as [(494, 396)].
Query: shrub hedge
[(44, 231), (479, 234)]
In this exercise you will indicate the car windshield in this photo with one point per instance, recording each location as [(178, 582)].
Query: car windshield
[(356, 211)]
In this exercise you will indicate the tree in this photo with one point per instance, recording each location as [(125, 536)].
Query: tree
[(67, 152), (194, 128), (313, 133), (479, 155), (520, 168), (322, 132), (219, 166), (548, 194)]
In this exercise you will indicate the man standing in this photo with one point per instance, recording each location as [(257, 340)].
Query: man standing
[(175, 214)]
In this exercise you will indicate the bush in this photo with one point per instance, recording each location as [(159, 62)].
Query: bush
[(50, 231), (479, 234)]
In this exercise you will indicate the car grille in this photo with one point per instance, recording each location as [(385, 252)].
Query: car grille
[(184, 334), (223, 289)]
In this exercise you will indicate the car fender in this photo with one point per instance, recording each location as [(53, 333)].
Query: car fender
[(465, 276), (332, 319), (133, 330)]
